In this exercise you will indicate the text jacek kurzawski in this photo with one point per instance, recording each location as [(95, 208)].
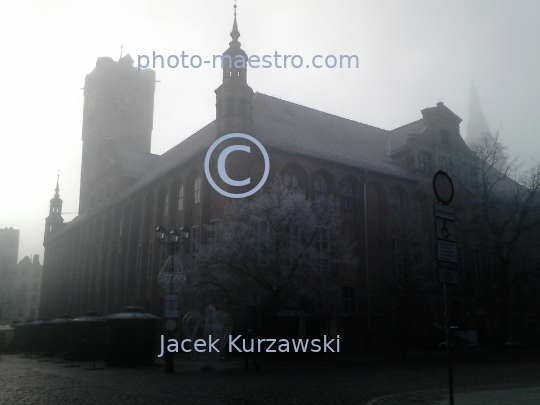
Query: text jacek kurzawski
[(238, 344)]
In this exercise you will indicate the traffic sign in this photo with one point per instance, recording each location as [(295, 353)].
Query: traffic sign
[(446, 230), (448, 275), (171, 306), (443, 187), (446, 251), (171, 324), (444, 212)]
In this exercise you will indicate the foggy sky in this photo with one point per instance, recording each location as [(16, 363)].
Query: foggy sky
[(412, 55)]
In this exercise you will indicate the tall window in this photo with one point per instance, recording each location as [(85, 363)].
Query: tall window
[(348, 301), (290, 180), (396, 203), (398, 257), (197, 190), (347, 197), (425, 161), (477, 264), (416, 207), (445, 137), (448, 164), (181, 198), (194, 238), (319, 189), (260, 235), (138, 262), (150, 259), (166, 204), (322, 247)]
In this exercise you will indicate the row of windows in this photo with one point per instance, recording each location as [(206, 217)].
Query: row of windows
[(321, 190), (465, 171)]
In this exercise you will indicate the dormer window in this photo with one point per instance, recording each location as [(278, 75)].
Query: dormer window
[(445, 137), (425, 161)]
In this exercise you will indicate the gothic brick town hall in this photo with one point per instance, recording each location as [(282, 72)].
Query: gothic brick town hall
[(108, 256)]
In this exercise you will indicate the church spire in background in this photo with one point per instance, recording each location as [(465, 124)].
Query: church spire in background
[(477, 124), (54, 221), (235, 34), (57, 189)]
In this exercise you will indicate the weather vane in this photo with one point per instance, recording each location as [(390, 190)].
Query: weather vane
[(235, 8)]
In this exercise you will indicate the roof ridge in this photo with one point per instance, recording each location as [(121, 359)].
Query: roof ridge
[(410, 123), (320, 112)]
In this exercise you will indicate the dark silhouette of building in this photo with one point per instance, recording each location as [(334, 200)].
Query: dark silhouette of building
[(107, 257), (9, 245)]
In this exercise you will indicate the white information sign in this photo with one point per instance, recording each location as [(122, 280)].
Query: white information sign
[(446, 251), (444, 212), (448, 275), (171, 306), (446, 230)]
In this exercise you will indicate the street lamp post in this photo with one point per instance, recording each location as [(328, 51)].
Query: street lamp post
[(171, 277)]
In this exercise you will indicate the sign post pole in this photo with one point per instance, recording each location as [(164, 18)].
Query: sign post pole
[(448, 350), (445, 232)]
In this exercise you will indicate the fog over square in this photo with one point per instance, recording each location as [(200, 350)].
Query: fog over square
[(411, 56)]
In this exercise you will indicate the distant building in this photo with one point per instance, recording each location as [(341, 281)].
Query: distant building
[(27, 286), (9, 245)]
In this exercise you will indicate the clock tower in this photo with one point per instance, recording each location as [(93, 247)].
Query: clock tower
[(117, 121)]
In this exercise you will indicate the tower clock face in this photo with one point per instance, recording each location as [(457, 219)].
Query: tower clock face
[(91, 102), (127, 99)]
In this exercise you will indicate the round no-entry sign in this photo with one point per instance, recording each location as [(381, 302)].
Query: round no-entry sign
[(443, 187)]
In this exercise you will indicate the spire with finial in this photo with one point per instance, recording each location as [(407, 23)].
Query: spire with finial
[(57, 189), (54, 221), (477, 125), (235, 34), (234, 98), (121, 51)]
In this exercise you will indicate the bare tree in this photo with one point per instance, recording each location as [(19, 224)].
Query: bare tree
[(505, 220), (275, 251), (408, 288)]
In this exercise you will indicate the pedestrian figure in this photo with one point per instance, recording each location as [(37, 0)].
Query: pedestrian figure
[(251, 354)]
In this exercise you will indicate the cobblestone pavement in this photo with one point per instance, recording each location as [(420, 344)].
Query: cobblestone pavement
[(421, 378)]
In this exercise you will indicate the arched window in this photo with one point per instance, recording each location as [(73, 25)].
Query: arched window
[(181, 198), (197, 190), (166, 204), (416, 208), (290, 180), (320, 188), (347, 196), (396, 204)]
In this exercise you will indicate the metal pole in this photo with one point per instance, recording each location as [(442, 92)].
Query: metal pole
[(169, 367), (448, 350), (368, 326)]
